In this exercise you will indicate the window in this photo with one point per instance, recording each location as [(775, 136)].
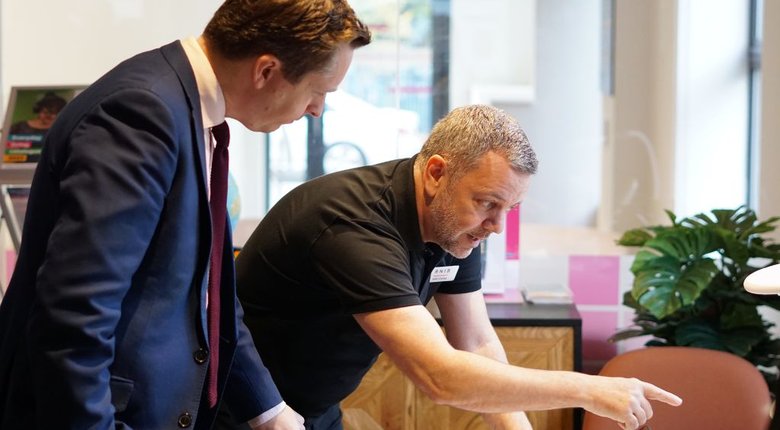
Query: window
[(384, 108), (754, 100), (713, 88)]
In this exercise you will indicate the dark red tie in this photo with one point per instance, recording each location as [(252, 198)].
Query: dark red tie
[(218, 204)]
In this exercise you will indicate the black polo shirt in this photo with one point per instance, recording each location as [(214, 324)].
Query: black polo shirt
[(341, 244)]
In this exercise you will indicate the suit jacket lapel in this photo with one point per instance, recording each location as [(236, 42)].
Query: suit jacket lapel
[(175, 55)]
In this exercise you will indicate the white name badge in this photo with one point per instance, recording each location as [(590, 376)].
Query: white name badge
[(444, 273)]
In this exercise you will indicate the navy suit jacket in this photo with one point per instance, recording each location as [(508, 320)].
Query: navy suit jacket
[(104, 321)]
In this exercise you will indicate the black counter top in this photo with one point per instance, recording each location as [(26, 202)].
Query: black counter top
[(526, 314)]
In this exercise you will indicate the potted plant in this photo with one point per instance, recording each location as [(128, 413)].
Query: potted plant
[(688, 290)]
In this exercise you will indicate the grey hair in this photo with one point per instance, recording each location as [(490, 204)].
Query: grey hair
[(467, 133)]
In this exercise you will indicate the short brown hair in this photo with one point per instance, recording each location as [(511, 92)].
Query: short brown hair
[(467, 133), (303, 34)]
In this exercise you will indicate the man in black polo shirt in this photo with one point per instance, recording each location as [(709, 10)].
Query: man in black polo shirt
[(341, 268)]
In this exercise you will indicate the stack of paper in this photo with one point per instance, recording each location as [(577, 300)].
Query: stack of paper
[(547, 294)]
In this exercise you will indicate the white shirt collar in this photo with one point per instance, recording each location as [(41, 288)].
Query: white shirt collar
[(212, 101)]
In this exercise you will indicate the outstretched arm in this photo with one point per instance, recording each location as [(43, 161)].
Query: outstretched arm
[(468, 328), (413, 340)]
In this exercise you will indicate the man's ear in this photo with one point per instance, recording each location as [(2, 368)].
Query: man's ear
[(266, 67), (434, 174)]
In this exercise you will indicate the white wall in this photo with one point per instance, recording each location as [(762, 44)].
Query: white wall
[(74, 42), (45, 42)]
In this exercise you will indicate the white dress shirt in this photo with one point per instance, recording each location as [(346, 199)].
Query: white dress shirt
[(212, 106)]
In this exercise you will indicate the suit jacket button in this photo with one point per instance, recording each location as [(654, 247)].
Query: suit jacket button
[(185, 420), (201, 356)]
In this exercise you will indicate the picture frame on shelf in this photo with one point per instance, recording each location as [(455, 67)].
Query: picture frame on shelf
[(30, 112)]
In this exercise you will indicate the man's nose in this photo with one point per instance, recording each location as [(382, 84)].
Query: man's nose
[(316, 107), (493, 224)]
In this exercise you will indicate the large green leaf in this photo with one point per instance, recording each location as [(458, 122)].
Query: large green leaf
[(630, 301), (741, 341), (702, 334), (686, 244), (643, 261), (763, 227), (666, 286), (672, 216), (734, 249), (635, 237), (627, 334), (742, 221), (759, 248), (699, 334), (738, 220), (740, 315)]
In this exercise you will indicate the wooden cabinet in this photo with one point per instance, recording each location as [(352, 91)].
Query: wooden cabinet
[(541, 337)]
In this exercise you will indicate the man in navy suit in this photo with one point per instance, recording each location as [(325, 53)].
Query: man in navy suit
[(104, 321)]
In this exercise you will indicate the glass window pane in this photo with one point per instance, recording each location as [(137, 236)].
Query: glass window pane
[(382, 110)]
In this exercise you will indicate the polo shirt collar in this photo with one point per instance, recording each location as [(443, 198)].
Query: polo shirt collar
[(406, 210)]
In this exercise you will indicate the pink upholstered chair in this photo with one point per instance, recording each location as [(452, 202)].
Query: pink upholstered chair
[(719, 390)]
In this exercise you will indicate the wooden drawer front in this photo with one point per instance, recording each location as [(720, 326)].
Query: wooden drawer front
[(387, 400)]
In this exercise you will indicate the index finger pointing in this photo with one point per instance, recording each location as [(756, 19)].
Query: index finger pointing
[(654, 393)]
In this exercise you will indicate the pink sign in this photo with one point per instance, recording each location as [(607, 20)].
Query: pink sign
[(513, 234)]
